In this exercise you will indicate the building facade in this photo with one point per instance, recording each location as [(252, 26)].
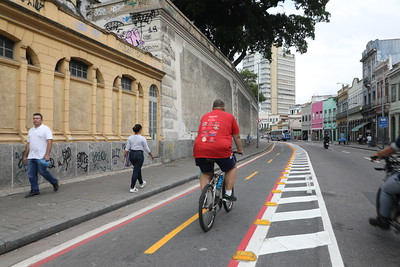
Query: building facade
[(306, 121), (92, 85), (317, 120), (355, 118), (329, 115), (276, 79), (394, 111), (376, 52)]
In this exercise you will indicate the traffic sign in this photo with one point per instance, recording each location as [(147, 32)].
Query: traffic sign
[(383, 122)]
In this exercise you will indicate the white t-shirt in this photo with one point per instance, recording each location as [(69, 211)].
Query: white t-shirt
[(37, 139), (137, 142)]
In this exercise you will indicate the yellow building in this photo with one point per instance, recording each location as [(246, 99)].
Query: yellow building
[(88, 84)]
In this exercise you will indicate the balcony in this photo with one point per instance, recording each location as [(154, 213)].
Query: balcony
[(341, 115), (380, 101)]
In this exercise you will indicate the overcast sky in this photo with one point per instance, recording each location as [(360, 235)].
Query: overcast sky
[(334, 56)]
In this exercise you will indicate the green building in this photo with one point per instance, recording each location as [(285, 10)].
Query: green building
[(329, 111)]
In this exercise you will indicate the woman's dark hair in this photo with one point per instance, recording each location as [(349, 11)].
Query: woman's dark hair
[(137, 128)]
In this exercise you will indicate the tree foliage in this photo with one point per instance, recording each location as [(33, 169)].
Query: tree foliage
[(250, 78), (238, 27)]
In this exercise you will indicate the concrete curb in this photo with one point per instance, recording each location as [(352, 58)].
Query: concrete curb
[(31, 235)]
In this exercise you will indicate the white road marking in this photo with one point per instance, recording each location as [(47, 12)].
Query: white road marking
[(286, 200), (298, 189), (295, 242), (260, 245), (296, 215), (347, 152), (297, 182)]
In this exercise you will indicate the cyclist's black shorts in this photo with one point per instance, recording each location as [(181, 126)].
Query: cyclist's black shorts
[(207, 165)]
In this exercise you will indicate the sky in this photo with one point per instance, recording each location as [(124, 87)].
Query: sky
[(333, 58)]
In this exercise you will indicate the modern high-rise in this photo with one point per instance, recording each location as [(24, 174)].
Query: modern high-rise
[(276, 79)]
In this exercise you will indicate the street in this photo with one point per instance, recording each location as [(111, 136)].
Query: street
[(164, 231)]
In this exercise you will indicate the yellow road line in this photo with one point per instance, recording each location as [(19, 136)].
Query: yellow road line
[(269, 161), (169, 236), (278, 154), (251, 175)]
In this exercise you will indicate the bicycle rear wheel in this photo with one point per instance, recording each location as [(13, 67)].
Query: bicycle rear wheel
[(207, 211), (227, 203)]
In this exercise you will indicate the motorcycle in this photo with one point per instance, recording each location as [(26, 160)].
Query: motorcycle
[(326, 145), (392, 165)]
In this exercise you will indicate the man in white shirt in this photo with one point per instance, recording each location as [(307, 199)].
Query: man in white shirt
[(37, 154)]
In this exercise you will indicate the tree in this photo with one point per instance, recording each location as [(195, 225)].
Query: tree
[(238, 27), (250, 79)]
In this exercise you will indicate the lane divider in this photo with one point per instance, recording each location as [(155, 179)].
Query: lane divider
[(251, 175)]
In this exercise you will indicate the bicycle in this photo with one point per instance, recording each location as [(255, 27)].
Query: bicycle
[(211, 200)]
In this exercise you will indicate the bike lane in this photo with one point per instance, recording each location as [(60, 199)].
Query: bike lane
[(293, 227), (127, 239)]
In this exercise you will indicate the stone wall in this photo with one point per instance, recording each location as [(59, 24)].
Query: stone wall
[(69, 160)]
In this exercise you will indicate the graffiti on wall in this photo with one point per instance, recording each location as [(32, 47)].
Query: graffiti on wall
[(116, 154), (66, 157), (20, 172), (99, 161), (114, 26), (142, 19), (82, 161), (37, 4), (139, 3)]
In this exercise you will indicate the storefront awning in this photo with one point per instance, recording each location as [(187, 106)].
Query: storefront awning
[(358, 127)]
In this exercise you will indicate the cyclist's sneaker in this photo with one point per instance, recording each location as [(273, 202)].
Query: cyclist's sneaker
[(381, 222), (229, 198)]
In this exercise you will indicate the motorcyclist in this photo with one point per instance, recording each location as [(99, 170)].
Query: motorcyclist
[(389, 188), (327, 139)]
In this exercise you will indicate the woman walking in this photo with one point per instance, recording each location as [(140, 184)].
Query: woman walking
[(135, 145)]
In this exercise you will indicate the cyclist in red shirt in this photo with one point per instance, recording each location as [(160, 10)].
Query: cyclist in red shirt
[(214, 141)]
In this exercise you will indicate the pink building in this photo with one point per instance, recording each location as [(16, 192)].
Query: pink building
[(317, 120)]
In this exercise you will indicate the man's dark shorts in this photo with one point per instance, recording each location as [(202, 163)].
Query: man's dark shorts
[(207, 166)]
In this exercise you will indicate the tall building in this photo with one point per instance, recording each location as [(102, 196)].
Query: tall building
[(276, 79)]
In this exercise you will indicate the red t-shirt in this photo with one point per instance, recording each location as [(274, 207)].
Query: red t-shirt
[(214, 137)]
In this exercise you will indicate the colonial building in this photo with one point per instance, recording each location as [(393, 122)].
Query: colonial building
[(376, 52)]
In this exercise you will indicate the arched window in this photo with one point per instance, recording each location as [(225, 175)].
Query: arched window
[(6, 47), (78, 68), (126, 83), (153, 112)]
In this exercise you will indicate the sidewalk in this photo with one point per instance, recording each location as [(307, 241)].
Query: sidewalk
[(23, 221)]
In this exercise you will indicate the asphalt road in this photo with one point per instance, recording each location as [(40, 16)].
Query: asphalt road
[(349, 183), (164, 231)]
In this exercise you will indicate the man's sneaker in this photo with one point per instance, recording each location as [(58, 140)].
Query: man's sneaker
[(142, 184), (55, 187), (381, 222), (32, 193), (230, 198), (133, 190)]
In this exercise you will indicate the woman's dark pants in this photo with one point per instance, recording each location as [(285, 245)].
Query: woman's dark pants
[(136, 157)]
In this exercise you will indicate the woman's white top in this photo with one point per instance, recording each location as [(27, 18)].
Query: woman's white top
[(137, 142)]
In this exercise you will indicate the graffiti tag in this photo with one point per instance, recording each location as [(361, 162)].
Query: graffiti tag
[(37, 4), (82, 161), (66, 159), (114, 26)]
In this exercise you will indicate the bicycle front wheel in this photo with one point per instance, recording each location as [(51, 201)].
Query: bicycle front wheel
[(227, 203), (206, 208)]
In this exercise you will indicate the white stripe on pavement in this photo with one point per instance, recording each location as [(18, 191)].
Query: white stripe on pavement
[(294, 242), (296, 215), (297, 189), (287, 200)]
